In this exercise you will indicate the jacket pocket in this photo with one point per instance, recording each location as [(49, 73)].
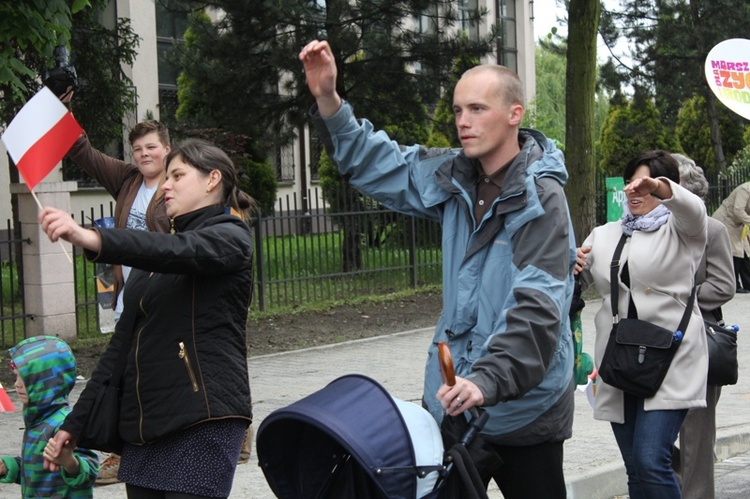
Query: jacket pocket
[(184, 356)]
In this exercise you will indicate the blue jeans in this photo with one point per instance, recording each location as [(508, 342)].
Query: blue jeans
[(645, 440)]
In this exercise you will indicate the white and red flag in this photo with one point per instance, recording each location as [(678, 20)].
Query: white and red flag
[(40, 135)]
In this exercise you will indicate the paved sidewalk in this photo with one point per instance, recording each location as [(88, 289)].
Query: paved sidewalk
[(593, 466)]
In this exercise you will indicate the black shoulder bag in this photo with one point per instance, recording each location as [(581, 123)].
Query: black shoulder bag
[(638, 353), (102, 428), (723, 368)]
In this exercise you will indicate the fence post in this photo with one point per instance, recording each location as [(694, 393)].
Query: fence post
[(260, 284), (49, 292), (413, 250)]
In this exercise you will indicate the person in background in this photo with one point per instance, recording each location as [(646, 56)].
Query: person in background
[(139, 204), (186, 400), (45, 372), (508, 254), (734, 213), (665, 225), (694, 460)]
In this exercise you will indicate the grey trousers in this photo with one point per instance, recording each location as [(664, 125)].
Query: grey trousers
[(694, 460)]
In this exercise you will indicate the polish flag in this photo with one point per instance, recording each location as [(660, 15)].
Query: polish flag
[(40, 135)]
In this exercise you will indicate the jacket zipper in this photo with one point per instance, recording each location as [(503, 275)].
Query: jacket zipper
[(137, 368), (184, 356), (138, 384)]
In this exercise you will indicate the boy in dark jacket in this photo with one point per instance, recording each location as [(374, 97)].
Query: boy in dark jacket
[(45, 372)]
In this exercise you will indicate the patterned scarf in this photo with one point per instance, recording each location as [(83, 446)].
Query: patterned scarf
[(649, 222)]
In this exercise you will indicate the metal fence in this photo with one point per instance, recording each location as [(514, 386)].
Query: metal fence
[(324, 254), (12, 310), (84, 276)]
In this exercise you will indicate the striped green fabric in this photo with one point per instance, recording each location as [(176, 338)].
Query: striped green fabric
[(48, 369)]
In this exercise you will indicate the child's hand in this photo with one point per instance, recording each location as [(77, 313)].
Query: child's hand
[(64, 458), (57, 442)]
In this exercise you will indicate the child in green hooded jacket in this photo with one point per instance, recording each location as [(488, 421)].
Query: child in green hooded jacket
[(45, 372)]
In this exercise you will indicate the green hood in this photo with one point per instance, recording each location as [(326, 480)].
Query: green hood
[(48, 369)]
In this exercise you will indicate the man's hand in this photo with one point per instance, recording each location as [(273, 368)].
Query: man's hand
[(460, 397), (581, 263), (321, 73)]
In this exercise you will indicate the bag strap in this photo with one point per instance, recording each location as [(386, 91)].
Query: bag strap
[(614, 279)]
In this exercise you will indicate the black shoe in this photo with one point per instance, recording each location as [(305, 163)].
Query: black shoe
[(742, 291)]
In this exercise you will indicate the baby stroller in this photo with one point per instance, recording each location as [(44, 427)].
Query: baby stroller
[(352, 439)]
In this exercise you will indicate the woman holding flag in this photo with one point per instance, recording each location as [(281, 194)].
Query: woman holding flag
[(185, 392)]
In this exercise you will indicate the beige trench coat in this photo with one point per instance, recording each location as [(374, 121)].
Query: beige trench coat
[(662, 265), (734, 212)]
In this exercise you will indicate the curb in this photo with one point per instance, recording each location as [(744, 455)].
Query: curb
[(605, 481), (610, 480)]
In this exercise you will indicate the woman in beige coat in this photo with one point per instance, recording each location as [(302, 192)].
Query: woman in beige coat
[(667, 229), (734, 212)]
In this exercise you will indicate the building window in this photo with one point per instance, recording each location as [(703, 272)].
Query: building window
[(284, 164), (171, 24), (425, 24), (507, 41), (467, 22)]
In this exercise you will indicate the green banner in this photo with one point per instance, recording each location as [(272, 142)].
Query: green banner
[(615, 198)]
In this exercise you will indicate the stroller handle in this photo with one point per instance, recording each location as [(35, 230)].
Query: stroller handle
[(446, 364)]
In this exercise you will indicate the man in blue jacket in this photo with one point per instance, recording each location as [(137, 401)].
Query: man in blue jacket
[(508, 254)]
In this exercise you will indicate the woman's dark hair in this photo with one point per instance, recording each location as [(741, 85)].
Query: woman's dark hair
[(660, 164), (206, 157)]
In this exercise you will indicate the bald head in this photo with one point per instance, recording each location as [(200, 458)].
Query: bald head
[(508, 84)]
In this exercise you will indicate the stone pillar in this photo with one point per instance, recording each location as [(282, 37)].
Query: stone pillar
[(49, 290)]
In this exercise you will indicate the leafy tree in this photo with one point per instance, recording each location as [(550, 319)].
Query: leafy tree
[(105, 95), (547, 112), (630, 129), (28, 34), (251, 54), (694, 134), (583, 22), (669, 44), (387, 70), (257, 178), (29, 31)]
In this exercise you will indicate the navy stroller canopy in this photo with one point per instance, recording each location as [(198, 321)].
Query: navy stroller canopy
[(351, 439)]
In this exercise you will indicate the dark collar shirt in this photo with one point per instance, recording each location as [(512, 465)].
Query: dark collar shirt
[(489, 188)]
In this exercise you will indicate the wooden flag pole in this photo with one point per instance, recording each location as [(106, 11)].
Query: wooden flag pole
[(67, 255)]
